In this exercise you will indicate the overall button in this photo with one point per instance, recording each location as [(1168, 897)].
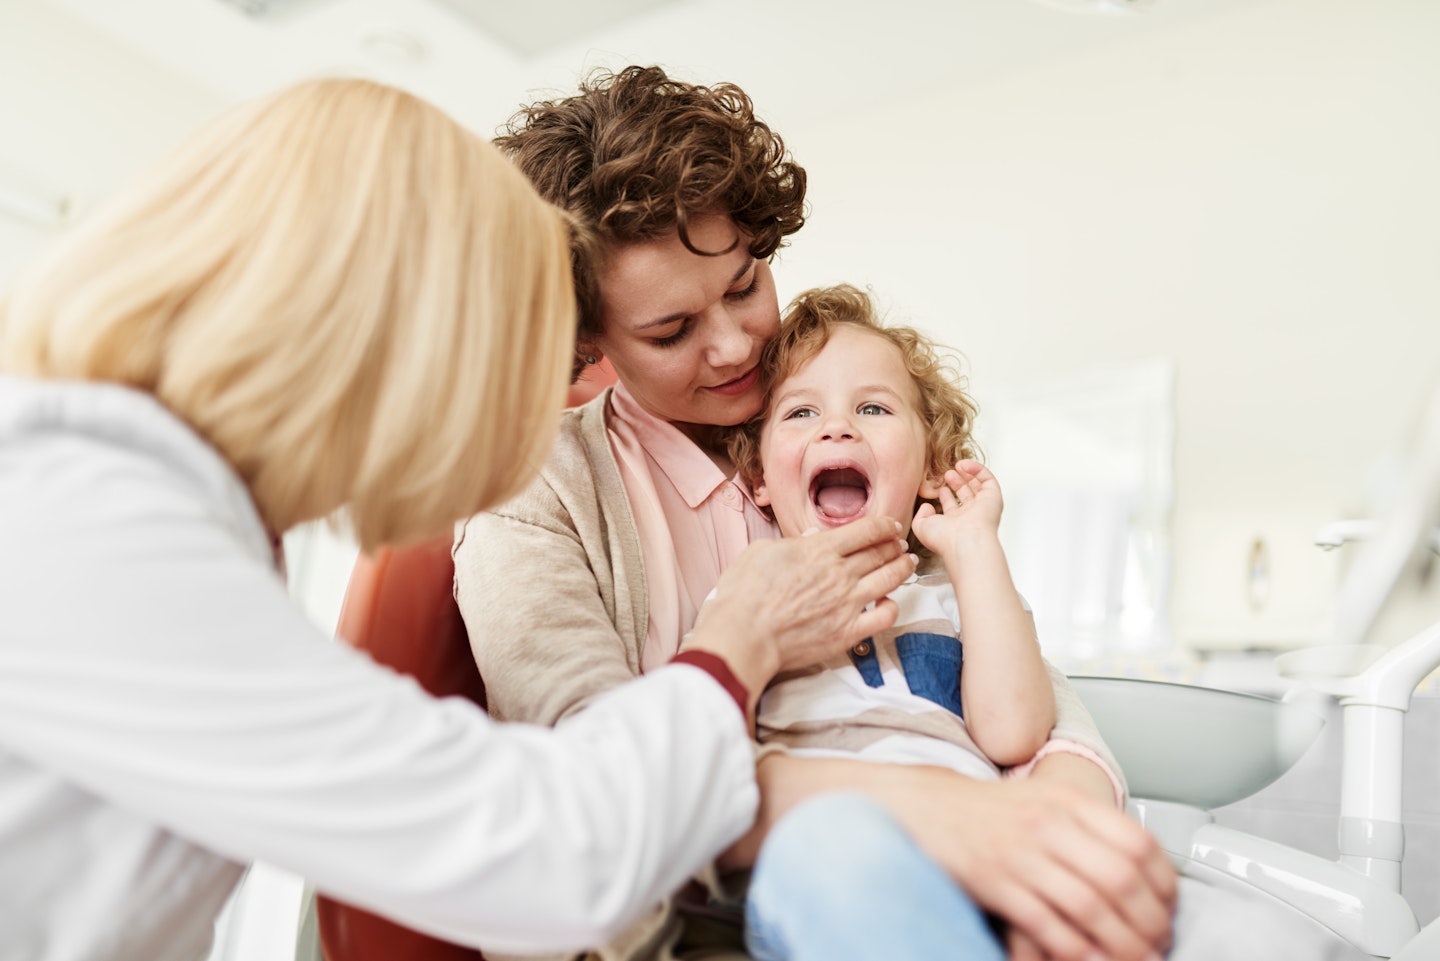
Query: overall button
[(862, 649)]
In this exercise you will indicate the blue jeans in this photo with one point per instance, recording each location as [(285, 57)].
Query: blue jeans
[(838, 879)]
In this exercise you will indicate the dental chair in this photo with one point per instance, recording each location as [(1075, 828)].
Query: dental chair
[(1220, 746), (399, 607)]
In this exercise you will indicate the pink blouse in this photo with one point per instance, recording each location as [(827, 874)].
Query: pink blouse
[(692, 519)]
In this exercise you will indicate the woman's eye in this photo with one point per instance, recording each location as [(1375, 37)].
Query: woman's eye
[(675, 338), (744, 292), (870, 410)]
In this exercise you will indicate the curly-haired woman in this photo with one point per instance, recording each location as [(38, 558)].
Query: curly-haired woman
[(595, 573)]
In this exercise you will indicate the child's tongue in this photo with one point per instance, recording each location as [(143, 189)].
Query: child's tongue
[(840, 501)]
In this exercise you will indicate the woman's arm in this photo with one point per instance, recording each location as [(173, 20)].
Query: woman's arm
[(541, 610), (1075, 734), (151, 657), (1079, 772)]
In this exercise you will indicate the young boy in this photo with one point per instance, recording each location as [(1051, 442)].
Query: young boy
[(865, 419)]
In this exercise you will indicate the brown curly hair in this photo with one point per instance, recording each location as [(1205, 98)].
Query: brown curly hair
[(636, 154), (810, 320)]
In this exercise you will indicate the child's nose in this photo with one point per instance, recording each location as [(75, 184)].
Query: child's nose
[(838, 427)]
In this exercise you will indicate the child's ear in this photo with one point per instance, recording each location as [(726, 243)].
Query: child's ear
[(931, 486), (758, 492)]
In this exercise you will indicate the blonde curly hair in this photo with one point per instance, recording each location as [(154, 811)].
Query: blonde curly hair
[(809, 322)]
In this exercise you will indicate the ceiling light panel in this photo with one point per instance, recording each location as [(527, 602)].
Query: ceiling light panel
[(532, 28)]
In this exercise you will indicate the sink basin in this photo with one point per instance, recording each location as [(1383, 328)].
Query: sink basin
[(1196, 745)]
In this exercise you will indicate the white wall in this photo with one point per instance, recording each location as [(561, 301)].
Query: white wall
[(1255, 195), (80, 114), (1252, 194)]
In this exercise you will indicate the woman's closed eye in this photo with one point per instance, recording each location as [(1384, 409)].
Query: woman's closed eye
[(749, 288), (750, 285), (687, 325), (681, 332)]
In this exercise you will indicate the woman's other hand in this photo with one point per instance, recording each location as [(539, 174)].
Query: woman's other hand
[(794, 602), (1073, 877)]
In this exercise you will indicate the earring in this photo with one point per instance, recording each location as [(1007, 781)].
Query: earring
[(590, 359)]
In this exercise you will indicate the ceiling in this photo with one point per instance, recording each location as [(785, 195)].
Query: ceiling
[(801, 60)]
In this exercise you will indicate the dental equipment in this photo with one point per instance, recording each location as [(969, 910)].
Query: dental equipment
[(1339, 533), (1358, 895)]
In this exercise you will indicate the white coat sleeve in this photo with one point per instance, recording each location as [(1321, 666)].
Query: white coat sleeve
[(151, 657)]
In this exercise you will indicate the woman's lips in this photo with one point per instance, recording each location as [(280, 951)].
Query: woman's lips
[(740, 384)]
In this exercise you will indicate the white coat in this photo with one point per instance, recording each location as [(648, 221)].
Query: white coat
[(167, 714)]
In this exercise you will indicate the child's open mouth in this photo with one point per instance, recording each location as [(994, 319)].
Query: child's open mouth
[(840, 493)]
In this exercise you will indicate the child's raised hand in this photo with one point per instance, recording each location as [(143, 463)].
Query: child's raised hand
[(970, 502)]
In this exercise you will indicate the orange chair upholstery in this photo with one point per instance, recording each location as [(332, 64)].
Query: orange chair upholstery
[(400, 607)]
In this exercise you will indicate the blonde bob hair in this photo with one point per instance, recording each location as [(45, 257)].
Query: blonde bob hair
[(355, 300)]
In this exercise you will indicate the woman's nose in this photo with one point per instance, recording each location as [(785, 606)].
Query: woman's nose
[(730, 342)]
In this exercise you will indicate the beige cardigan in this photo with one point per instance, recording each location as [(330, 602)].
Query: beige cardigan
[(553, 585)]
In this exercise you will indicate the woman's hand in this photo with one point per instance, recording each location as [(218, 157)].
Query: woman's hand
[(1074, 878), (795, 602)]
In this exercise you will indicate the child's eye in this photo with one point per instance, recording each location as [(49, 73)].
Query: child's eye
[(799, 412), (871, 410)]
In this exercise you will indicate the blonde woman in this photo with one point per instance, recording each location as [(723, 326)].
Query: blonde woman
[(334, 298)]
